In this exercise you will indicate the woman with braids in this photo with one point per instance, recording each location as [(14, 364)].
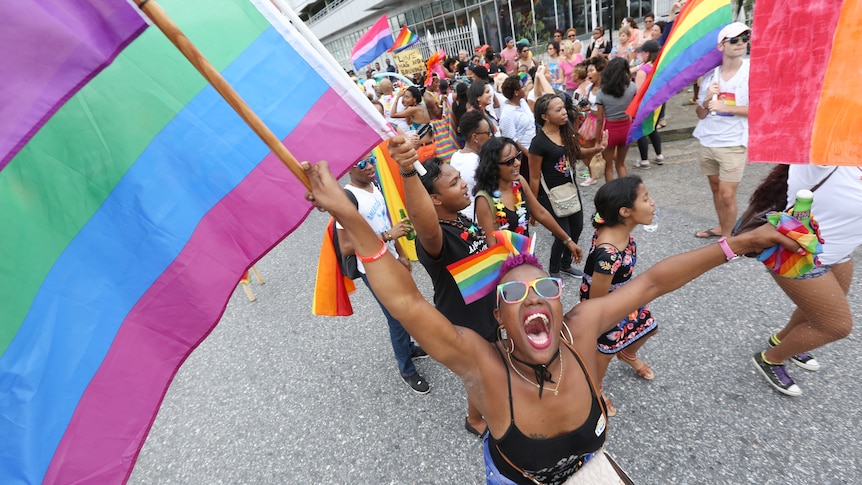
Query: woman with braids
[(552, 157), (502, 198), (613, 98), (822, 313), (621, 205), (418, 118), (545, 420)]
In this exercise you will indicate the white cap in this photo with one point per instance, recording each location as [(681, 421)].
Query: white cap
[(732, 30)]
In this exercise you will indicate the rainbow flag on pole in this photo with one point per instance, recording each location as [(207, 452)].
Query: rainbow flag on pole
[(689, 52), (476, 275), (132, 212), (820, 113), (376, 41), (404, 40)]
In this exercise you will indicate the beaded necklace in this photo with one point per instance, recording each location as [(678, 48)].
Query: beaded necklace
[(520, 209), (466, 231)]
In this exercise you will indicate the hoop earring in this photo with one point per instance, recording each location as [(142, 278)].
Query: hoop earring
[(503, 335)]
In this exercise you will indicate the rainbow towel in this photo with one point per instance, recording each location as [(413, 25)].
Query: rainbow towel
[(404, 40), (819, 111), (376, 41), (476, 275), (791, 264), (689, 52), (135, 208)]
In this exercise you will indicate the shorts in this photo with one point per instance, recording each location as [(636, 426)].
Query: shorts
[(618, 130), (726, 162), (820, 270)]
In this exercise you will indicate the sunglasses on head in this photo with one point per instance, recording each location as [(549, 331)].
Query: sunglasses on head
[(510, 161), (516, 291), (738, 39), (362, 164)]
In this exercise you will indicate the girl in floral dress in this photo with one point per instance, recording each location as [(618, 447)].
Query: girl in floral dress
[(621, 204), (503, 200)]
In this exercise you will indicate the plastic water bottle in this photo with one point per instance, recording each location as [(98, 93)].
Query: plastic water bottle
[(802, 207), (653, 226)]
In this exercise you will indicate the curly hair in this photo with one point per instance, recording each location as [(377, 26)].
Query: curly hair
[(488, 171), (616, 77), (415, 93), (568, 133), (516, 260), (613, 196), (511, 85)]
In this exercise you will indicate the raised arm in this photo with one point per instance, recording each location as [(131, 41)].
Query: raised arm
[(454, 348), (668, 275)]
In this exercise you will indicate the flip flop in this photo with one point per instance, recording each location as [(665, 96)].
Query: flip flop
[(706, 234), (470, 429)]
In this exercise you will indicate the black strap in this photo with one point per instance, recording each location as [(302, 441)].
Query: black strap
[(824, 180)]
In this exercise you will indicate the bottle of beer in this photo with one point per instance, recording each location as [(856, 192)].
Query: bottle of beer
[(802, 207), (411, 234)]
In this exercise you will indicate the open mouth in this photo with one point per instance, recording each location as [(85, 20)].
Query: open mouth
[(538, 329)]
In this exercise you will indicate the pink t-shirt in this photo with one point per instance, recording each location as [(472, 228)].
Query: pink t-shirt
[(567, 68), (509, 57)]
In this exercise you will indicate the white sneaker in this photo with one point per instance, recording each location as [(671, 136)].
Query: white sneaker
[(659, 160), (644, 164)]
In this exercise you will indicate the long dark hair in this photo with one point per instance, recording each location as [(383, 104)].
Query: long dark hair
[(772, 192), (474, 92), (567, 132), (613, 196), (459, 106), (616, 77), (488, 170)]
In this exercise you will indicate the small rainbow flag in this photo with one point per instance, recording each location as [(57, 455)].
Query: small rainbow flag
[(477, 274), (689, 52), (791, 264), (393, 192), (404, 40), (821, 111)]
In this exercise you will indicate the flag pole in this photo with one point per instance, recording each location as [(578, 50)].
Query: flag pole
[(160, 18)]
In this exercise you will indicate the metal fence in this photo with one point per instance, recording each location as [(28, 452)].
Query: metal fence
[(451, 41)]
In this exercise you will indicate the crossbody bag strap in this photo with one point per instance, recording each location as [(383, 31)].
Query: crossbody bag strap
[(789, 205), (516, 467)]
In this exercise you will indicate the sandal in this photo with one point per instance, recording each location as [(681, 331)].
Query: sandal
[(642, 368), (661, 124), (610, 409), (706, 234)]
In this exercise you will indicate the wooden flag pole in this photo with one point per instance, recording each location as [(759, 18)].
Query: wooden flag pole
[(160, 18)]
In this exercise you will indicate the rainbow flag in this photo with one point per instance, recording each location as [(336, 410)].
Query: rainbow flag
[(331, 288), (404, 40), (393, 192), (689, 52), (135, 209), (819, 113), (376, 41), (477, 274)]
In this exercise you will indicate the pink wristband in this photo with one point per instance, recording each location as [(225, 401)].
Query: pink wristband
[(728, 253), (376, 256)]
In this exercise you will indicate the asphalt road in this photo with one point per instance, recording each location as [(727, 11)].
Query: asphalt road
[(277, 395)]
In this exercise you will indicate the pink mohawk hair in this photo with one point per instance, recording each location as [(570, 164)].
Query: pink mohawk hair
[(516, 260)]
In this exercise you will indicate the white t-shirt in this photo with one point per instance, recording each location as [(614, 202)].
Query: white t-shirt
[(837, 206), (722, 129), (372, 206), (466, 163), (518, 123)]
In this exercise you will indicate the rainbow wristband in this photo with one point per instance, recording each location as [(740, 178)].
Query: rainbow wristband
[(374, 257)]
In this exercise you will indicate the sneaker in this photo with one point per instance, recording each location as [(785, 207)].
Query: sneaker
[(804, 360), (585, 174), (572, 271), (644, 164), (418, 353), (659, 160), (417, 383), (588, 182), (777, 376)]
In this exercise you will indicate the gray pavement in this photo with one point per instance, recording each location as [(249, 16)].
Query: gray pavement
[(276, 395)]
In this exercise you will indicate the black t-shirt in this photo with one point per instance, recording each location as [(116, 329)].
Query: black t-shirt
[(479, 315), (555, 165)]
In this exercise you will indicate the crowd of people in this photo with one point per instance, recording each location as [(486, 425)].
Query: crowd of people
[(522, 123)]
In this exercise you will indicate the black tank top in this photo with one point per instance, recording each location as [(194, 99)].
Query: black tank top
[(552, 460)]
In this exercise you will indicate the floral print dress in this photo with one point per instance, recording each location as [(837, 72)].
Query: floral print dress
[(608, 259)]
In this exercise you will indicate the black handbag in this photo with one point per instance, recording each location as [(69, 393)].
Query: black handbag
[(348, 264)]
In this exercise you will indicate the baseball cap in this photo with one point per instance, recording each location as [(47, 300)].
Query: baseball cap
[(507, 39), (650, 46), (732, 30)]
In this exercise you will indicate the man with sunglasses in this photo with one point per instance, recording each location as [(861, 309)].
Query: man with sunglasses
[(722, 107), (372, 207)]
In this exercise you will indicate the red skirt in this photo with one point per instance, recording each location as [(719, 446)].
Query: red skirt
[(618, 130)]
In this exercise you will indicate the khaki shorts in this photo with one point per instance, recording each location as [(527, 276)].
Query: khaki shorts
[(726, 162)]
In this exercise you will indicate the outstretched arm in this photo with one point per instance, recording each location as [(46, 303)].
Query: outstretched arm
[(668, 275), (456, 349)]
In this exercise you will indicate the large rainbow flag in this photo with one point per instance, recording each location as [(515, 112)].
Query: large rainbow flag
[(392, 187), (131, 214), (689, 52), (817, 117)]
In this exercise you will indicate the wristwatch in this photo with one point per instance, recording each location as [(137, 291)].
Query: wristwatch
[(728, 253)]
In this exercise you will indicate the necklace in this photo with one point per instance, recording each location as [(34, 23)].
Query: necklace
[(520, 209), (542, 373), (467, 231)]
